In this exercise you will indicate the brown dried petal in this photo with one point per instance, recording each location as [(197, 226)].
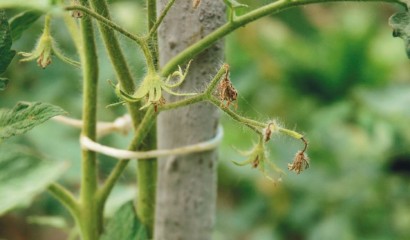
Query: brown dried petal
[(300, 162)]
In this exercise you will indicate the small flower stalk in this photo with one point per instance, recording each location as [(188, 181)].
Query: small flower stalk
[(45, 48), (258, 158)]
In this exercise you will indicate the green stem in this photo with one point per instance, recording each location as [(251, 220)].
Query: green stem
[(252, 124), (66, 198), (113, 48), (155, 24), (146, 181), (152, 37), (73, 30), (47, 22), (147, 170), (140, 134), (214, 82), (91, 219), (184, 102), (240, 21), (105, 21)]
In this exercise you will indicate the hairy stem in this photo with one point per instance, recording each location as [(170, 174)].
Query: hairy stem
[(152, 38), (66, 198), (240, 21), (73, 30), (107, 28), (153, 29), (252, 124), (146, 182), (91, 219), (105, 21), (140, 134), (147, 170), (183, 103)]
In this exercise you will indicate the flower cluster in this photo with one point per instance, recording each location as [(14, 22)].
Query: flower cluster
[(152, 86)]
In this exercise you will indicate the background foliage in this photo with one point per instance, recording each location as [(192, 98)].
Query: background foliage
[(332, 71)]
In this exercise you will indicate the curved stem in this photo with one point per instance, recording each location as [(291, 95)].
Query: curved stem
[(66, 198), (240, 21), (105, 21), (109, 36), (155, 26), (252, 124)]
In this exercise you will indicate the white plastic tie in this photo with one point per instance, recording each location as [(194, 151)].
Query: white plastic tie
[(121, 124), (87, 143)]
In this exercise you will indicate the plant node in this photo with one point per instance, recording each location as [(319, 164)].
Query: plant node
[(152, 86)]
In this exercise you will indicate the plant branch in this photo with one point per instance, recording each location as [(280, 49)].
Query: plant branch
[(91, 220), (108, 34), (66, 198), (182, 103), (155, 26), (140, 134), (152, 39), (252, 124), (105, 21), (240, 21), (73, 30)]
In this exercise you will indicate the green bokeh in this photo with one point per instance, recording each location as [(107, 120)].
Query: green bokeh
[(331, 71)]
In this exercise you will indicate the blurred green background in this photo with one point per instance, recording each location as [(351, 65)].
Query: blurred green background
[(331, 71)]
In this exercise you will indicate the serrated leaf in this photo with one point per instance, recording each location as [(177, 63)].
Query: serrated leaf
[(22, 21), (24, 116), (23, 175), (3, 83), (6, 54), (234, 4), (124, 225), (400, 22)]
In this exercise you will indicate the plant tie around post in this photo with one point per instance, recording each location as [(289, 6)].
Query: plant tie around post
[(123, 125), (87, 143)]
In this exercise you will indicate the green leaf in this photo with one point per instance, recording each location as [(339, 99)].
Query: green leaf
[(24, 116), (43, 5), (124, 225), (22, 21), (6, 54), (400, 22), (234, 4), (3, 83), (23, 175)]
